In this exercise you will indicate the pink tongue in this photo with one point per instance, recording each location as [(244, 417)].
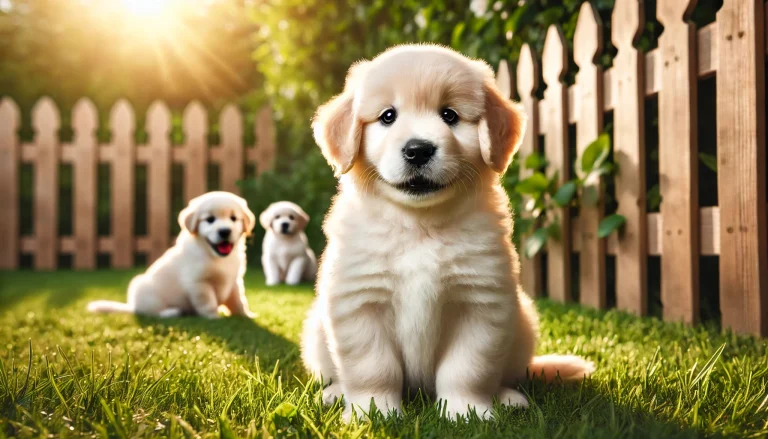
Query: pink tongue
[(224, 247)]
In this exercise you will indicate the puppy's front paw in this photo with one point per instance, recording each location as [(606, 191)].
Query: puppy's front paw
[(362, 405), (512, 398), (331, 393), (462, 405), (272, 282)]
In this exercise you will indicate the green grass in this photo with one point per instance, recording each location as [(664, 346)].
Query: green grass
[(123, 376)]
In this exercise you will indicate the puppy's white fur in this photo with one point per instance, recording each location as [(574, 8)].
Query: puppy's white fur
[(420, 290), (286, 255), (193, 277)]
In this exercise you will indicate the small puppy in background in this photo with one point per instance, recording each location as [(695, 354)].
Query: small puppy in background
[(418, 286), (202, 271), (286, 255)]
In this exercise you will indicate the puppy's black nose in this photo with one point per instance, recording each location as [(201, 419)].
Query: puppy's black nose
[(225, 233), (284, 227), (418, 152)]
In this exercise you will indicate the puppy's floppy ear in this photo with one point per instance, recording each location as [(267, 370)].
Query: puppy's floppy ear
[(302, 219), (189, 218), (501, 128), (336, 127), (249, 219), (265, 219)]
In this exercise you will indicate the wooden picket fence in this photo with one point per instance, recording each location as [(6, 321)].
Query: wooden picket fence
[(84, 153), (733, 49)]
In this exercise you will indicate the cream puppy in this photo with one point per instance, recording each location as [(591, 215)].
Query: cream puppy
[(202, 271), (418, 286), (286, 256)]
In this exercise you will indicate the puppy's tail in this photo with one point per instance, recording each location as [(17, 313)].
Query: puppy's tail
[(110, 306), (566, 367)]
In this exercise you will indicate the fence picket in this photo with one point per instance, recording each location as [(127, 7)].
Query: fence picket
[(9, 184), (159, 197), (587, 45), (628, 89), (84, 124), (741, 166), (504, 80), (231, 162), (265, 140), (195, 127), (528, 82), (678, 161), (46, 122), (554, 65), (122, 122)]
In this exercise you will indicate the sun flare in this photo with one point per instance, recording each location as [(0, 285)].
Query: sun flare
[(145, 7)]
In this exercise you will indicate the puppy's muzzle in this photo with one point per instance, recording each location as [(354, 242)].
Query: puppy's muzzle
[(418, 152)]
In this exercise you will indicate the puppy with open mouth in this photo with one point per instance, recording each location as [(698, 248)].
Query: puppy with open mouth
[(203, 271), (418, 285)]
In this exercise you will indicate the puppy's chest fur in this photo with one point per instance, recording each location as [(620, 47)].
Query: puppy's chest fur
[(419, 275)]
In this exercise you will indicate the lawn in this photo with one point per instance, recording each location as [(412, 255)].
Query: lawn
[(123, 376)]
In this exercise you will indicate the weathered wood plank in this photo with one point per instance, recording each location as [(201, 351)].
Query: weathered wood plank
[(741, 166), (231, 165), (554, 65), (10, 153), (123, 123), (531, 275), (195, 126), (678, 162), (46, 122), (266, 149), (588, 42), (709, 236), (85, 162), (629, 153), (159, 197)]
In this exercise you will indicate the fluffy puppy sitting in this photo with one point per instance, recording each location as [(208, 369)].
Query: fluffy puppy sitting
[(286, 256), (202, 271), (418, 286)]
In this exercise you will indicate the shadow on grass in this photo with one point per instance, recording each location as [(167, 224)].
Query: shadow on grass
[(239, 335), (60, 288)]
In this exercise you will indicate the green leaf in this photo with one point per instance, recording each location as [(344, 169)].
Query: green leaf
[(610, 224), (653, 198), (709, 160), (565, 194), (458, 31), (523, 225), (535, 242), (535, 162), (594, 155), (535, 184), (285, 410), (513, 23)]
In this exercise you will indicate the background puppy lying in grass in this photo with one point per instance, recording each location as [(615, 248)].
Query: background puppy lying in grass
[(418, 286), (286, 256), (202, 271)]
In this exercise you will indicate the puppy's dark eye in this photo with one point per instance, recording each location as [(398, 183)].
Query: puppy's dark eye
[(291, 217), (388, 117), (277, 217), (233, 218), (449, 116), (210, 219)]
